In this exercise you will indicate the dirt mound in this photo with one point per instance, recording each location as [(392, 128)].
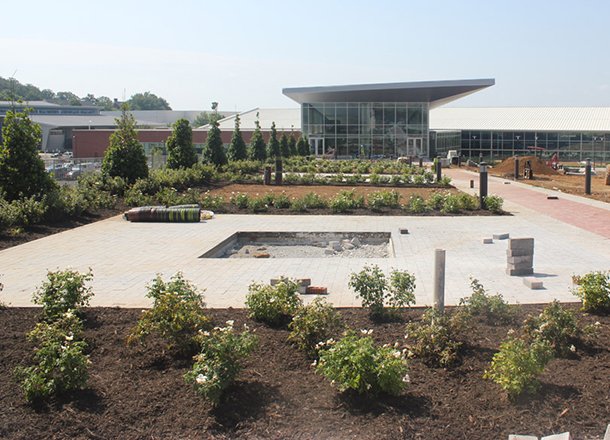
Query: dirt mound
[(507, 167)]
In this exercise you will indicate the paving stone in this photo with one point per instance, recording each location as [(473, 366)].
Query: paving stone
[(519, 252), (519, 266), (356, 241), (348, 246), (522, 259), (522, 437), (502, 236), (533, 283), (335, 245), (488, 241), (403, 231), (329, 251), (562, 436), (519, 272), (521, 243)]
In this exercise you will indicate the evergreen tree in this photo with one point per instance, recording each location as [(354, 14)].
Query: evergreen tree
[(237, 147), (303, 146), (125, 154), (257, 144), (273, 148), (22, 172), (214, 152), (180, 150), (284, 145), (292, 145)]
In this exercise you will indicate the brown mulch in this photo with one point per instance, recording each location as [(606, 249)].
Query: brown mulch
[(137, 393), (539, 166)]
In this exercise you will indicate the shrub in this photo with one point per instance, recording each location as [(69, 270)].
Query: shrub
[(282, 201), (63, 291), (516, 367), (436, 201), (555, 326), (384, 199), (594, 291), (494, 204), (61, 362), (241, 200), (314, 323), (451, 204), (416, 205), (21, 212), (273, 305), (371, 286), (435, 339), (313, 201), (355, 362), (220, 360), (467, 202), (180, 150), (178, 313), (346, 201), (258, 204), (492, 308), (211, 202), (445, 181)]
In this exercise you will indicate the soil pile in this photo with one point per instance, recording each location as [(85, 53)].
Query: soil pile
[(539, 166)]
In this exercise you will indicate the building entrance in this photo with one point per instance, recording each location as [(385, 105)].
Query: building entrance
[(415, 147)]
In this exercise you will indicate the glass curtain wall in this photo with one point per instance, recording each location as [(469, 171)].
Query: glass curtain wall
[(570, 146), (366, 129)]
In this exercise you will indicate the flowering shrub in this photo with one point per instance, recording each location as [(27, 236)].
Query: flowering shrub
[(313, 201), (371, 286), (64, 290), (220, 359), (517, 365), (211, 202), (282, 201), (467, 202), (416, 205), (493, 308), (556, 326), (61, 362), (451, 204), (178, 313), (594, 291), (494, 203), (258, 204), (345, 201), (384, 199), (434, 338), (313, 323), (436, 201), (355, 362), (273, 305)]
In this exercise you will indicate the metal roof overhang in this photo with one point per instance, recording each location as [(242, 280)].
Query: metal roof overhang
[(436, 93)]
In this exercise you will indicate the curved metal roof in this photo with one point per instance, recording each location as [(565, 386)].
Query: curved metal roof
[(434, 92)]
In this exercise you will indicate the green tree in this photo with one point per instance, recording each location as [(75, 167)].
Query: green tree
[(68, 98), (214, 152), (202, 119), (273, 147), (257, 143), (302, 146), (22, 172), (284, 145), (180, 150), (147, 101), (125, 155), (237, 147), (292, 144)]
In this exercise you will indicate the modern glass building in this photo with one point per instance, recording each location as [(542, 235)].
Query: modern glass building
[(375, 120)]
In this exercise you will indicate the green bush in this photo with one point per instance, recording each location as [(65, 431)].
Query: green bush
[(451, 204), (492, 308), (258, 204), (282, 201), (555, 326), (211, 202), (416, 205), (177, 315), (273, 305), (593, 289), (371, 286), (61, 362), (312, 324), (346, 201), (516, 367), (494, 204), (355, 362), (240, 200), (467, 202), (21, 212), (313, 201), (435, 339), (384, 199), (436, 201), (222, 352), (63, 291)]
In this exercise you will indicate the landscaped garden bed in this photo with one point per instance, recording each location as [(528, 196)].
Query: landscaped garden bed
[(136, 392)]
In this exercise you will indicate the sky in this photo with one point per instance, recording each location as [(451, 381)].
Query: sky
[(242, 53)]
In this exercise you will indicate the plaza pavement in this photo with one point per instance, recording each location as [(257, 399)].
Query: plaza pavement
[(126, 256)]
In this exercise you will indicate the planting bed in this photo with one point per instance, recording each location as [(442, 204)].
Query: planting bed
[(137, 393)]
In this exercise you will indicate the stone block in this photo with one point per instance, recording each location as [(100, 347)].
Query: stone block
[(488, 241), (522, 259), (518, 266), (304, 281), (522, 437), (335, 245), (562, 436), (403, 231), (533, 283), (521, 243), (348, 246), (519, 252), (502, 236), (302, 290), (329, 251), (356, 241), (519, 272)]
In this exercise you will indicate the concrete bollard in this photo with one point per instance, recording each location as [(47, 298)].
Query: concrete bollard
[(267, 176), (438, 169), (516, 168), (482, 184), (471, 183), (588, 177), (439, 280), (278, 171)]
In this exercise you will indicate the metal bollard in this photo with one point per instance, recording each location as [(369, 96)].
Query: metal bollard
[(516, 168), (439, 280), (588, 177), (482, 184)]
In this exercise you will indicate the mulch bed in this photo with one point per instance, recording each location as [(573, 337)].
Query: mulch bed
[(137, 393)]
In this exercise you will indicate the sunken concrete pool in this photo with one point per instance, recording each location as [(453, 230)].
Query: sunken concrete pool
[(256, 244)]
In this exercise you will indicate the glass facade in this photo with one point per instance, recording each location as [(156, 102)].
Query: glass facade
[(367, 129), (570, 146)]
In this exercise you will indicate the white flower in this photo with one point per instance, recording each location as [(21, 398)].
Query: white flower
[(572, 349), (397, 354), (510, 331), (69, 337), (69, 314), (366, 332), (230, 323), (406, 379), (597, 323), (314, 363), (201, 379)]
